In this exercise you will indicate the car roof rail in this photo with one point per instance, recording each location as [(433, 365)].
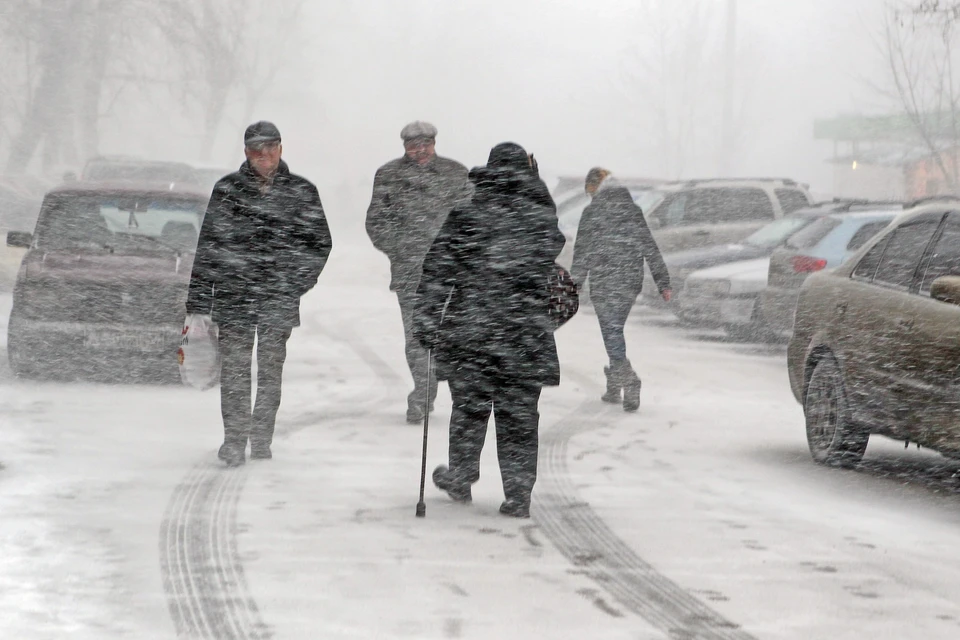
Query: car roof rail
[(847, 205), (932, 199), (790, 182)]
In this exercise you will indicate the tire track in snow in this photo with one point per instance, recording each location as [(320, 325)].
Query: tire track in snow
[(203, 578), (587, 542)]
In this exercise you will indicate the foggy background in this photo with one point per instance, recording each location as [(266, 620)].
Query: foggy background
[(632, 85)]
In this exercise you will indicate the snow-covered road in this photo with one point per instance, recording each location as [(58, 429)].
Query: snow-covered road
[(702, 516)]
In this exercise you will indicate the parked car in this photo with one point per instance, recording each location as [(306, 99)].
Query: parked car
[(701, 213), (125, 169), (207, 177), (761, 243), (876, 346), (104, 280), (726, 296), (826, 244)]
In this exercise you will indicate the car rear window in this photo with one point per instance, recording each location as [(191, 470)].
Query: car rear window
[(119, 222), (812, 234), (773, 234), (791, 200), (731, 205), (866, 232)]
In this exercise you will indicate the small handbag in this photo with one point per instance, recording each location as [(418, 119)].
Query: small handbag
[(564, 298)]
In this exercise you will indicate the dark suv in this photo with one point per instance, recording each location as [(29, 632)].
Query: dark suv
[(104, 280)]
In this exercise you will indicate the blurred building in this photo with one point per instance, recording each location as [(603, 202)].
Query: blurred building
[(885, 157)]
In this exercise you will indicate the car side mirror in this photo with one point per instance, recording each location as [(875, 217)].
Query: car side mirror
[(946, 289), (19, 239)]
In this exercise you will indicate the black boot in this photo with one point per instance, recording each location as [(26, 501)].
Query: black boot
[(458, 491), (631, 385), (516, 508), (613, 387), (232, 452)]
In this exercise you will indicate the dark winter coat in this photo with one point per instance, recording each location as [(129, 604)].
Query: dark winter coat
[(483, 296), (258, 253), (409, 205), (613, 240)]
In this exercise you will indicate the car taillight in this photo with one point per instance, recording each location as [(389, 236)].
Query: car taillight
[(806, 264)]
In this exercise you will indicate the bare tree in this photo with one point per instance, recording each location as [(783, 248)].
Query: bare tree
[(920, 51), (676, 76), (227, 47)]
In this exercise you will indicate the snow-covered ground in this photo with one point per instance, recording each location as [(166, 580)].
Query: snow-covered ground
[(702, 516)]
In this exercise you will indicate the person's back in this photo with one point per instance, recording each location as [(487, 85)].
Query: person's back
[(483, 309), (613, 243)]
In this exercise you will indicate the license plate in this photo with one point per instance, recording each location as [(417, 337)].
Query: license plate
[(740, 311), (130, 339)]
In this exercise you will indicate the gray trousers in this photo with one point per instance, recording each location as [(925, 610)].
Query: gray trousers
[(236, 360), (416, 355)]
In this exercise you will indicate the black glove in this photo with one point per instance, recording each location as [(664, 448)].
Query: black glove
[(426, 334)]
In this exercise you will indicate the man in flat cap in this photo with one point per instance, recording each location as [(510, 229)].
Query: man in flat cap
[(263, 243), (412, 196)]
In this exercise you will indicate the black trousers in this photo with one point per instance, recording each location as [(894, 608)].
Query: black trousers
[(517, 418), (416, 355), (236, 359)]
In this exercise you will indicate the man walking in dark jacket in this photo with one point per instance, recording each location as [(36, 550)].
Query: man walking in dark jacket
[(263, 243), (412, 197), (613, 241)]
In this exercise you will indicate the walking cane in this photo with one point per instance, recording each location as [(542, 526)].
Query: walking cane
[(421, 507)]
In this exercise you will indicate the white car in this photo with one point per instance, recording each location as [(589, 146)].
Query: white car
[(726, 296)]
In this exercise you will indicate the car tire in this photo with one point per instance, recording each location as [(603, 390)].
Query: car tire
[(831, 435)]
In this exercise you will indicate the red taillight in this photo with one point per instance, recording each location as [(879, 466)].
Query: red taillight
[(806, 264)]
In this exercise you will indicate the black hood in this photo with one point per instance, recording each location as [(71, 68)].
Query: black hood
[(508, 175)]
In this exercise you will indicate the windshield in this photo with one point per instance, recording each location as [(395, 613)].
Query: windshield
[(648, 199), (810, 235), (120, 222), (774, 234)]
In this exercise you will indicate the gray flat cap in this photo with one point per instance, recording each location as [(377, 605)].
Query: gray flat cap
[(418, 129)]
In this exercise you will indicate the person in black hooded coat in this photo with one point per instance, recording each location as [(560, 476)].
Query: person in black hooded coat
[(483, 310)]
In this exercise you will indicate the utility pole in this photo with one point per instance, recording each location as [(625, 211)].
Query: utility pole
[(726, 164)]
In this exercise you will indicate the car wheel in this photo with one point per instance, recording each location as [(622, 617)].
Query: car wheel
[(833, 438)]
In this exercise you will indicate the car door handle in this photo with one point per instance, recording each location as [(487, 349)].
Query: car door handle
[(701, 233)]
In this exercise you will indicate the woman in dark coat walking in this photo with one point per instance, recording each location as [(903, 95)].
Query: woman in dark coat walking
[(483, 309), (613, 241)]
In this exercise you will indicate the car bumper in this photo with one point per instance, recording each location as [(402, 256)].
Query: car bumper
[(777, 307), (727, 310), (89, 341)]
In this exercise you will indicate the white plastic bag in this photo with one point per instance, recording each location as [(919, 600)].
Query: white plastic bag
[(199, 353)]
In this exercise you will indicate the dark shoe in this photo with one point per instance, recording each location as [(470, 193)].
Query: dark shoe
[(631, 386), (613, 387), (458, 491), (232, 453), (414, 413), (515, 509), (260, 452)]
